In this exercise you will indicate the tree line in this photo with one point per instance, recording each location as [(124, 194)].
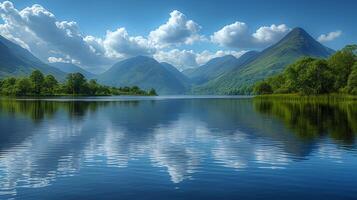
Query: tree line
[(313, 76), (38, 84)]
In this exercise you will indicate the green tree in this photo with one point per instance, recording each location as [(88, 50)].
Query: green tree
[(50, 84), (316, 78), (152, 92), (8, 86), (37, 80), (37, 84), (135, 89), (94, 87), (294, 82), (341, 63), (262, 88), (308, 76), (278, 83), (76, 83), (352, 81), (23, 86), (351, 48)]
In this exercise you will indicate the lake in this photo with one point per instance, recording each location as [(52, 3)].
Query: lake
[(177, 148)]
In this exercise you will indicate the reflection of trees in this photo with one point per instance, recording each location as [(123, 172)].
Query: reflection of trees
[(314, 119), (38, 110)]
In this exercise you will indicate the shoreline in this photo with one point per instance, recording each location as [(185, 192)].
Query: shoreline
[(298, 97)]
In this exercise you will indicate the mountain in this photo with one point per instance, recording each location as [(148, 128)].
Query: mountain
[(146, 73), (218, 66), (296, 44), (179, 75), (17, 61), (71, 68)]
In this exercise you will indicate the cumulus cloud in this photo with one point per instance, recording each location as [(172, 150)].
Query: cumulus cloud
[(185, 59), (66, 59), (119, 44), (205, 56), (177, 30), (39, 26), (270, 34), (56, 60), (233, 35), (182, 59), (329, 36), (237, 35), (39, 31)]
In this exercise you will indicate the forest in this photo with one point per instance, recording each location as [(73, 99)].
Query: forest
[(38, 84), (314, 76)]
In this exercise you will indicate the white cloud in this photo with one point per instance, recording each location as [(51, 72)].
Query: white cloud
[(205, 56), (45, 36), (185, 59), (182, 59), (270, 34), (56, 60), (38, 30), (330, 36), (177, 30), (96, 44), (233, 35), (119, 44), (237, 35)]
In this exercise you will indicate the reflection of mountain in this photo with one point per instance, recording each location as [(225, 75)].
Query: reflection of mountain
[(180, 136)]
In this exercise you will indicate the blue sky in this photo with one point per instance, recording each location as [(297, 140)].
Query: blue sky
[(140, 23)]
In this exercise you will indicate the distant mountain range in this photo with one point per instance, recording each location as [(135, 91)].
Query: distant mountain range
[(296, 44), (17, 61), (218, 66), (146, 73), (223, 75), (71, 68)]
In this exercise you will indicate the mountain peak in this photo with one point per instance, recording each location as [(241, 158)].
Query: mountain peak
[(145, 72), (138, 59), (141, 57), (229, 56), (301, 42), (225, 58), (298, 34), (298, 30)]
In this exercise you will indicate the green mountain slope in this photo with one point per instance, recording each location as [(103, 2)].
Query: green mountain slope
[(17, 61), (146, 73), (71, 68), (269, 62), (179, 75), (218, 66)]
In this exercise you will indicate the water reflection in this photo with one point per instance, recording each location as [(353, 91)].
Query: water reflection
[(311, 120), (44, 140)]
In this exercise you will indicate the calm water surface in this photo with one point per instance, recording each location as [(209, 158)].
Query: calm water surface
[(177, 148)]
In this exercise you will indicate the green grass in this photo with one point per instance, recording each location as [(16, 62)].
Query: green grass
[(308, 98)]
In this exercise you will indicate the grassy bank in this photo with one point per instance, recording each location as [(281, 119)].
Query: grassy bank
[(308, 98)]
